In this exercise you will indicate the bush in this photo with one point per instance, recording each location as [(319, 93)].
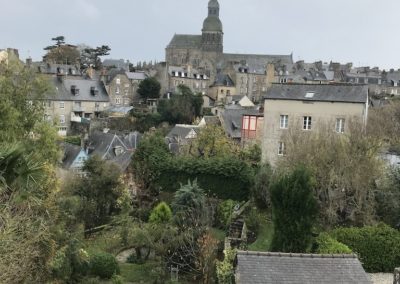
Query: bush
[(225, 211), (254, 220), (328, 245), (225, 270), (161, 214), (103, 265), (224, 178), (378, 247)]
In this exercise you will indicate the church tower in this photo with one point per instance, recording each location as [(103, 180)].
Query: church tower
[(212, 34)]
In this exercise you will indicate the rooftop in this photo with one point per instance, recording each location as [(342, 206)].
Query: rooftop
[(291, 268), (321, 92)]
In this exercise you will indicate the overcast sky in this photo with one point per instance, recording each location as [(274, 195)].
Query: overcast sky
[(365, 32)]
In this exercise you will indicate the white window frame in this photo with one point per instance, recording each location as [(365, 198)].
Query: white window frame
[(307, 122), (118, 81), (339, 126), (284, 121), (62, 119), (281, 148), (117, 101), (62, 105)]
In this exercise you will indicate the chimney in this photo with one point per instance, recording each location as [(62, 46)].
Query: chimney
[(28, 61), (90, 72)]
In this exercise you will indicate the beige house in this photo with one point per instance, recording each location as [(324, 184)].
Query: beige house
[(74, 100), (222, 88), (306, 107)]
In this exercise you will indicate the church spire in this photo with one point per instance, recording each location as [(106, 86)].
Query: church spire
[(213, 8)]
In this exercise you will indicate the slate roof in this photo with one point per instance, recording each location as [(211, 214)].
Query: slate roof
[(231, 119), (223, 80), (118, 63), (286, 268), (212, 120), (52, 68), (104, 145), (185, 41), (70, 153), (324, 93), (136, 75), (181, 130), (62, 89), (257, 63)]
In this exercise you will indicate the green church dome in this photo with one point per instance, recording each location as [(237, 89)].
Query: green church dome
[(212, 24)]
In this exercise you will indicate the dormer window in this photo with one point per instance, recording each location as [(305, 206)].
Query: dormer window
[(74, 90), (118, 150), (94, 91)]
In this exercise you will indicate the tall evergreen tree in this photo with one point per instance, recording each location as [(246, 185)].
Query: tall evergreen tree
[(294, 211)]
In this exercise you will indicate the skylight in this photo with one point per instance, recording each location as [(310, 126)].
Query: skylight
[(310, 94)]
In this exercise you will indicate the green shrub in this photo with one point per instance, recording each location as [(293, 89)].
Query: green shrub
[(254, 220), (225, 211), (225, 270), (161, 214), (378, 247), (104, 265), (328, 245)]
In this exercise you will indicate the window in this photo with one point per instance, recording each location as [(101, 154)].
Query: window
[(118, 101), (97, 106), (307, 122), (117, 90), (284, 121), (339, 125), (281, 149), (62, 119), (118, 81), (62, 105)]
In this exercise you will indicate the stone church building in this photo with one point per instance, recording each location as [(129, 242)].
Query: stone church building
[(205, 52)]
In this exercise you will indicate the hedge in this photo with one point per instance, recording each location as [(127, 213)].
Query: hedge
[(378, 247), (328, 245), (225, 178)]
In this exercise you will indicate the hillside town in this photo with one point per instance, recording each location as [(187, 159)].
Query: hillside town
[(206, 167)]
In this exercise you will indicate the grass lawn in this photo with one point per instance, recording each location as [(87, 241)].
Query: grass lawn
[(264, 237), (139, 273)]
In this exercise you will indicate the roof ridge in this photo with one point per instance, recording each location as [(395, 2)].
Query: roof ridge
[(304, 255)]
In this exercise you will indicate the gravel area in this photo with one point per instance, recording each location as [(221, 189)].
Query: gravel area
[(381, 278)]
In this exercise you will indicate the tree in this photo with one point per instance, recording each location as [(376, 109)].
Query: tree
[(27, 215), (345, 166), (60, 40), (183, 107), (161, 214), (61, 53), (261, 189), (294, 211), (91, 56), (151, 152), (99, 192), (149, 88), (211, 141), (189, 205)]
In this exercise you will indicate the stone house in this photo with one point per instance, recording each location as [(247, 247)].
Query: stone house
[(122, 86), (306, 107), (286, 268), (222, 88), (195, 79), (74, 99)]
